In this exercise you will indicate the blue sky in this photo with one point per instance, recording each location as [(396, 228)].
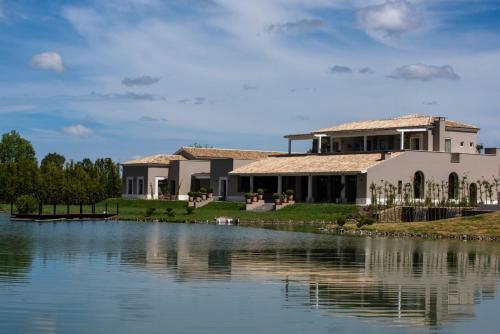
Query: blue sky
[(127, 78)]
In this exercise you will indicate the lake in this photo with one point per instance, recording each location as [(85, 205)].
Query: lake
[(129, 277)]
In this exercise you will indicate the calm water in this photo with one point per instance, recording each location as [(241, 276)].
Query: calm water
[(126, 277)]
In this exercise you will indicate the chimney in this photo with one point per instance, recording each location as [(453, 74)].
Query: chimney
[(386, 155), (439, 134)]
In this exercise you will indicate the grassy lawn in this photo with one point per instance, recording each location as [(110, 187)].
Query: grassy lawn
[(136, 209), (481, 225)]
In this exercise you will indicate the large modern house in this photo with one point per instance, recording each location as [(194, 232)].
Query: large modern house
[(340, 167), (188, 169), (346, 159)]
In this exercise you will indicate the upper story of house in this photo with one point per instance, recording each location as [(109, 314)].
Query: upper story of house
[(412, 132)]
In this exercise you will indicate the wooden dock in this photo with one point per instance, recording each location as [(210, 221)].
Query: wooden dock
[(72, 216)]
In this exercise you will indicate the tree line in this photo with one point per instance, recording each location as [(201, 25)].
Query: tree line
[(55, 180)]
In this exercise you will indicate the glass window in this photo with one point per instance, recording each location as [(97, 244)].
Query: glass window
[(140, 187), (447, 145), (243, 184), (130, 187)]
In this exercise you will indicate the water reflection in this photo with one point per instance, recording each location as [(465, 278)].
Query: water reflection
[(408, 281), (402, 282)]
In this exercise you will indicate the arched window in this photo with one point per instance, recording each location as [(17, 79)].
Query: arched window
[(453, 186), (473, 194), (418, 185)]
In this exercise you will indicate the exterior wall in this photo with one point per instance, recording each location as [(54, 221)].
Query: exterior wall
[(466, 137), (220, 168), (148, 175), (181, 172), (153, 174), (134, 173), (435, 166), (232, 192)]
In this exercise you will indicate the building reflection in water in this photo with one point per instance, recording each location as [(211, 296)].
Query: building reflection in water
[(404, 281)]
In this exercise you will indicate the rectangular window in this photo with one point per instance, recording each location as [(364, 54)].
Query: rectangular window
[(172, 187), (400, 187), (243, 184), (462, 143), (130, 186), (140, 186), (447, 145), (471, 144)]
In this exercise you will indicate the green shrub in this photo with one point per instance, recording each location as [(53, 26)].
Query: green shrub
[(290, 192), (26, 204), (248, 195), (260, 191), (363, 220), (341, 221), (203, 190), (276, 195), (191, 194), (190, 210), (170, 212), (150, 212)]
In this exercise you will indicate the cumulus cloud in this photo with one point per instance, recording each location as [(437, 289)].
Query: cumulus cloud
[(77, 131), (144, 80), (249, 87), (366, 70), (424, 72), (300, 26), (151, 119), (129, 96), (48, 61), (389, 19), (338, 69)]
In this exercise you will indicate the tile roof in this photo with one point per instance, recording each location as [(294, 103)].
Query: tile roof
[(221, 153), (312, 164), (158, 159), (409, 121)]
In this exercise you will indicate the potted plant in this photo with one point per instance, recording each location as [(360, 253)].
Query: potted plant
[(260, 194), (191, 196), (210, 192), (277, 198), (203, 192), (289, 194), (198, 196), (248, 197), (254, 197)]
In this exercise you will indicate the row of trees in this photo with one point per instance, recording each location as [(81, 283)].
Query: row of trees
[(54, 180)]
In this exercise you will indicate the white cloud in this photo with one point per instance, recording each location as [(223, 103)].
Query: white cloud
[(390, 19), (49, 61), (77, 131), (424, 72)]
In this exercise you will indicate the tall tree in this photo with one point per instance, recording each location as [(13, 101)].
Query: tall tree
[(18, 167)]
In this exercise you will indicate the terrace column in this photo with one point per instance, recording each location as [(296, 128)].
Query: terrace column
[(365, 143), (331, 144), (280, 184), (402, 140), (342, 192), (309, 188), (251, 183), (289, 146), (319, 143)]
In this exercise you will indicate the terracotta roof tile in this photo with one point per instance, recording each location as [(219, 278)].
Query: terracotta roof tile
[(220, 153), (409, 121), (312, 164), (158, 159)]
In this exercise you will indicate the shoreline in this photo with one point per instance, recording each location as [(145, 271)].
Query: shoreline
[(328, 227)]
